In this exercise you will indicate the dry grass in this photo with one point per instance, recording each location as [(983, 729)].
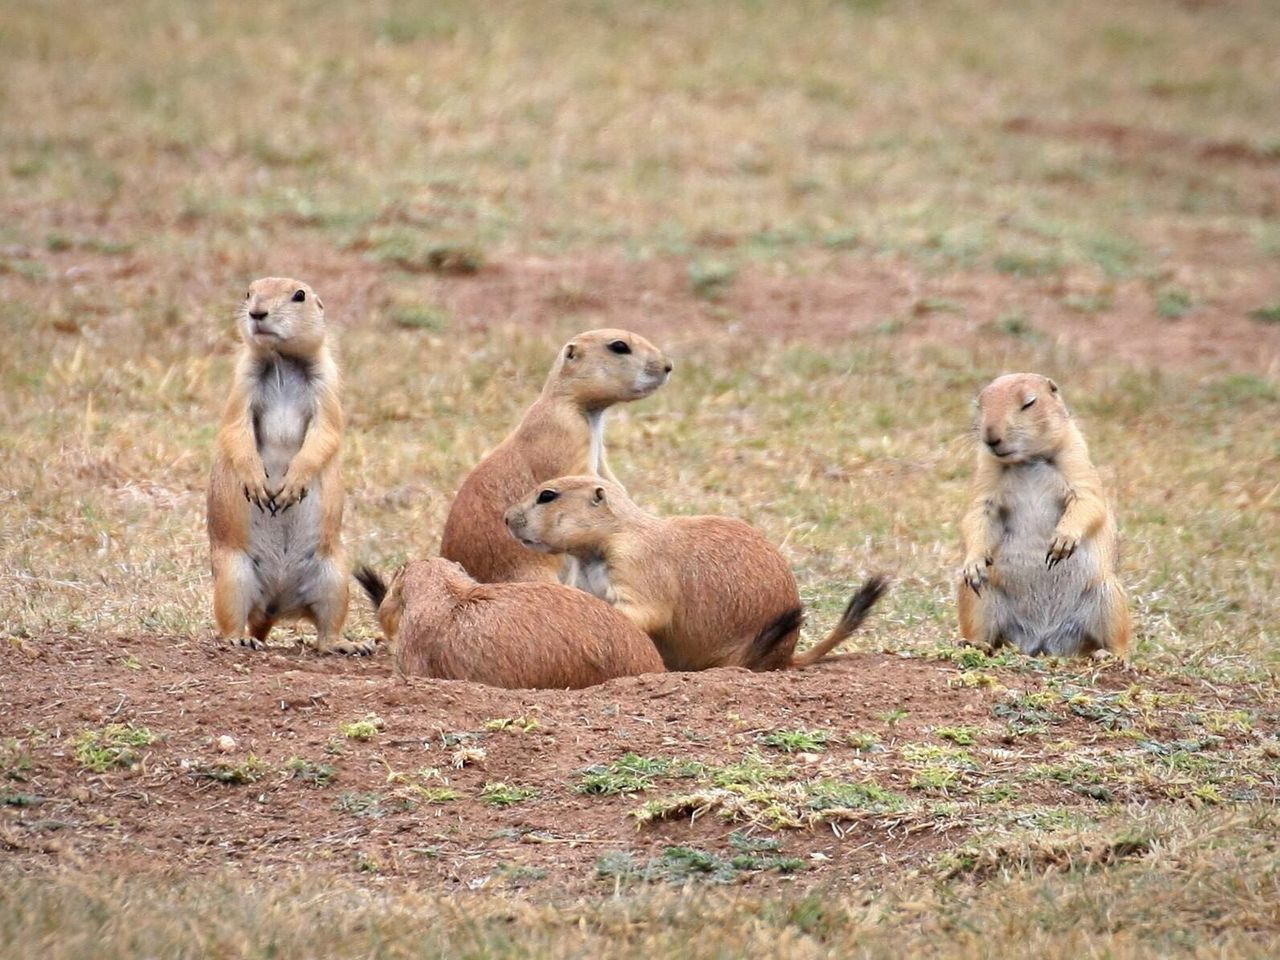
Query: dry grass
[(1209, 886), (157, 155)]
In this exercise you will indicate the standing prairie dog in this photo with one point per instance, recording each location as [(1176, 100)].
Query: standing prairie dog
[(275, 494), (443, 624), (562, 433), (1040, 540), (710, 591)]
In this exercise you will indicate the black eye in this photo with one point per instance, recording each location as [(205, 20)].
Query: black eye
[(619, 346), (300, 296), (546, 496), (1029, 403)]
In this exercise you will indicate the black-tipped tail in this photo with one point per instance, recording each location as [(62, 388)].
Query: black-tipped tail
[(373, 585), (764, 646), (860, 605)]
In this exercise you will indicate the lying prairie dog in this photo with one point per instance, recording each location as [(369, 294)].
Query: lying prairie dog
[(562, 432), (710, 591), (1040, 539), (444, 624)]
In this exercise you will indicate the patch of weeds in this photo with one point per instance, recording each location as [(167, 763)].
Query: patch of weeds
[(370, 805), (952, 757), (15, 759), (459, 737), (1172, 303), (974, 658), (935, 778), (1040, 855), (689, 864), (1026, 265), (513, 724), (678, 864), (236, 773), (1268, 314), (838, 795), (751, 770), (961, 736), (1027, 713), (318, 774), (999, 793), (1087, 302), (972, 678), (518, 875), (420, 318), (20, 800), (893, 717), (710, 279), (432, 795), (115, 745), (409, 252), (498, 794), (1101, 709), (864, 742), (1225, 721), (629, 774), (362, 730), (1015, 324), (796, 741)]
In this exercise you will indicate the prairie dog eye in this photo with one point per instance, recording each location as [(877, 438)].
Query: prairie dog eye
[(1029, 403), (546, 496), (300, 296), (619, 346)]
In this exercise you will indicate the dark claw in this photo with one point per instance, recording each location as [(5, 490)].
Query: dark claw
[(246, 495), (285, 508), (302, 496)]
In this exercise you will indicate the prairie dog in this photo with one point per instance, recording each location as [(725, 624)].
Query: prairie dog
[(562, 433), (443, 624), (710, 591), (275, 493), (1040, 538)]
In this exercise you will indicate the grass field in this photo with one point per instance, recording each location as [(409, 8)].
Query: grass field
[(839, 218)]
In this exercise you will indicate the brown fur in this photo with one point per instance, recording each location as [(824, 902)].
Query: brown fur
[(275, 541), (710, 591), (444, 624), (1026, 437), (553, 438)]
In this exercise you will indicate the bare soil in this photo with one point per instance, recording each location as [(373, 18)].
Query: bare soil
[(165, 812)]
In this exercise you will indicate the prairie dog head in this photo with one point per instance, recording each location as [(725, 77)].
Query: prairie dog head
[(574, 515), (280, 315), (599, 368), (1021, 416)]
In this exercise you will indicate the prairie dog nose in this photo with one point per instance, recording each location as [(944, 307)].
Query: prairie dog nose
[(258, 314), (992, 440)]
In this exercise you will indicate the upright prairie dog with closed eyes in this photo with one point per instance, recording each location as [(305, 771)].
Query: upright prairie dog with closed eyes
[(275, 493), (1040, 538), (441, 623), (562, 433), (710, 591)]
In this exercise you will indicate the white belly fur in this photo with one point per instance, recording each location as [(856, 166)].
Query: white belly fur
[(282, 548), (1038, 608), (595, 454)]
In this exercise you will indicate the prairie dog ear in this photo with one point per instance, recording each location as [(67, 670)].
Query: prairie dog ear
[(571, 351), (1053, 387), (597, 497)]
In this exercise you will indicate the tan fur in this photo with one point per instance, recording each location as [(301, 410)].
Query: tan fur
[(1036, 489), (553, 438), (275, 540), (444, 624), (710, 591)]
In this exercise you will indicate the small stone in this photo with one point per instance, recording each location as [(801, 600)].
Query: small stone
[(226, 744)]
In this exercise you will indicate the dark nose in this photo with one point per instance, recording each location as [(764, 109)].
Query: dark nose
[(669, 367), (258, 314), (992, 440)]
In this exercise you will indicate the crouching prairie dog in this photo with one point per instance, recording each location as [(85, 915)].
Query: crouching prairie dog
[(710, 591), (442, 623), (562, 433), (1040, 538), (275, 492)]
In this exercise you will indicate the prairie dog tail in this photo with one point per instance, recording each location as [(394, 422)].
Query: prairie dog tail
[(859, 606), (373, 585), (766, 641)]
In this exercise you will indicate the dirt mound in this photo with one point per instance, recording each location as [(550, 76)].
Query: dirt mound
[(136, 753)]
